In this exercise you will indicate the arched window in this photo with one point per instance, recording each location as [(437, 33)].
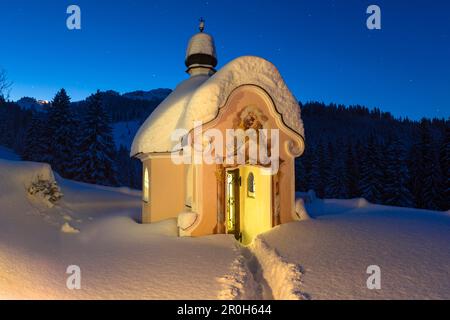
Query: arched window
[(146, 186), (251, 185)]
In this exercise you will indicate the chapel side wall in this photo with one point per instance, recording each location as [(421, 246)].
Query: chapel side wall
[(167, 190), (207, 200)]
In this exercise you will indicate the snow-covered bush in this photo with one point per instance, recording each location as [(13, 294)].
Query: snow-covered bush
[(47, 190)]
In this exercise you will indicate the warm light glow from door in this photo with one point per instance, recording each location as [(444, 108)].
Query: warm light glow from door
[(145, 189)]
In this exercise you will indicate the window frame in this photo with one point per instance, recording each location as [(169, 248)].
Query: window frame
[(251, 192), (146, 186)]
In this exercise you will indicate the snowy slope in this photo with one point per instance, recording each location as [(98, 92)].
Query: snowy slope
[(118, 257), (334, 250)]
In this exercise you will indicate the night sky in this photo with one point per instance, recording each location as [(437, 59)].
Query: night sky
[(322, 48)]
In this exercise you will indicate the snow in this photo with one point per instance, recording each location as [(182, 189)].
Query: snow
[(284, 278), (118, 257), (239, 284), (154, 134), (67, 228), (200, 97), (300, 210), (325, 257), (346, 236), (185, 221), (201, 43), (212, 95)]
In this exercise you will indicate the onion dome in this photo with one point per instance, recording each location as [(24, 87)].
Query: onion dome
[(201, 53)]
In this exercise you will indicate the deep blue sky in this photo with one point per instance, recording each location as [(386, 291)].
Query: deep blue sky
[(322, 48)]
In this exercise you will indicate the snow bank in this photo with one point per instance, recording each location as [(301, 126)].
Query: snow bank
[(185, 221), (308, 197), (409, 245), (118, 257), (283, 278), (22, 173), (200, 97), (18, 181), (317, 207)]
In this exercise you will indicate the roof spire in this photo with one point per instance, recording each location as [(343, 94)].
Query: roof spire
[(201, 26)]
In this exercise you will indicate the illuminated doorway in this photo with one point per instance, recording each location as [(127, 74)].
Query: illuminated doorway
[(248, 195), (233, 203)]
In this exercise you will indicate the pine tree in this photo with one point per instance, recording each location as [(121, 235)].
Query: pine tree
[(351, 173), (126, 175), (339, 168), (335, 182), (332, 182), (396, 191), (310, 174), (36, 142), (444, 159), (319, 169), (62, 126), (426, 177), (300, 176), (359, 157), (371, 172), (96, 157)]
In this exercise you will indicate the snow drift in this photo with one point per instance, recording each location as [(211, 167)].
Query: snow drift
[(95, 228), (346, 236)]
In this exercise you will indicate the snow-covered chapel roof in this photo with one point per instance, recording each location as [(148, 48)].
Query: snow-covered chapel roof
[(200, 97)]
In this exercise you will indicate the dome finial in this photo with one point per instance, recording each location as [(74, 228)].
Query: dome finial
[(201, 26)]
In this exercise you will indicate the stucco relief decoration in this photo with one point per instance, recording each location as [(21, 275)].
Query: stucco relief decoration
[(252, 118), (294, 148)]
